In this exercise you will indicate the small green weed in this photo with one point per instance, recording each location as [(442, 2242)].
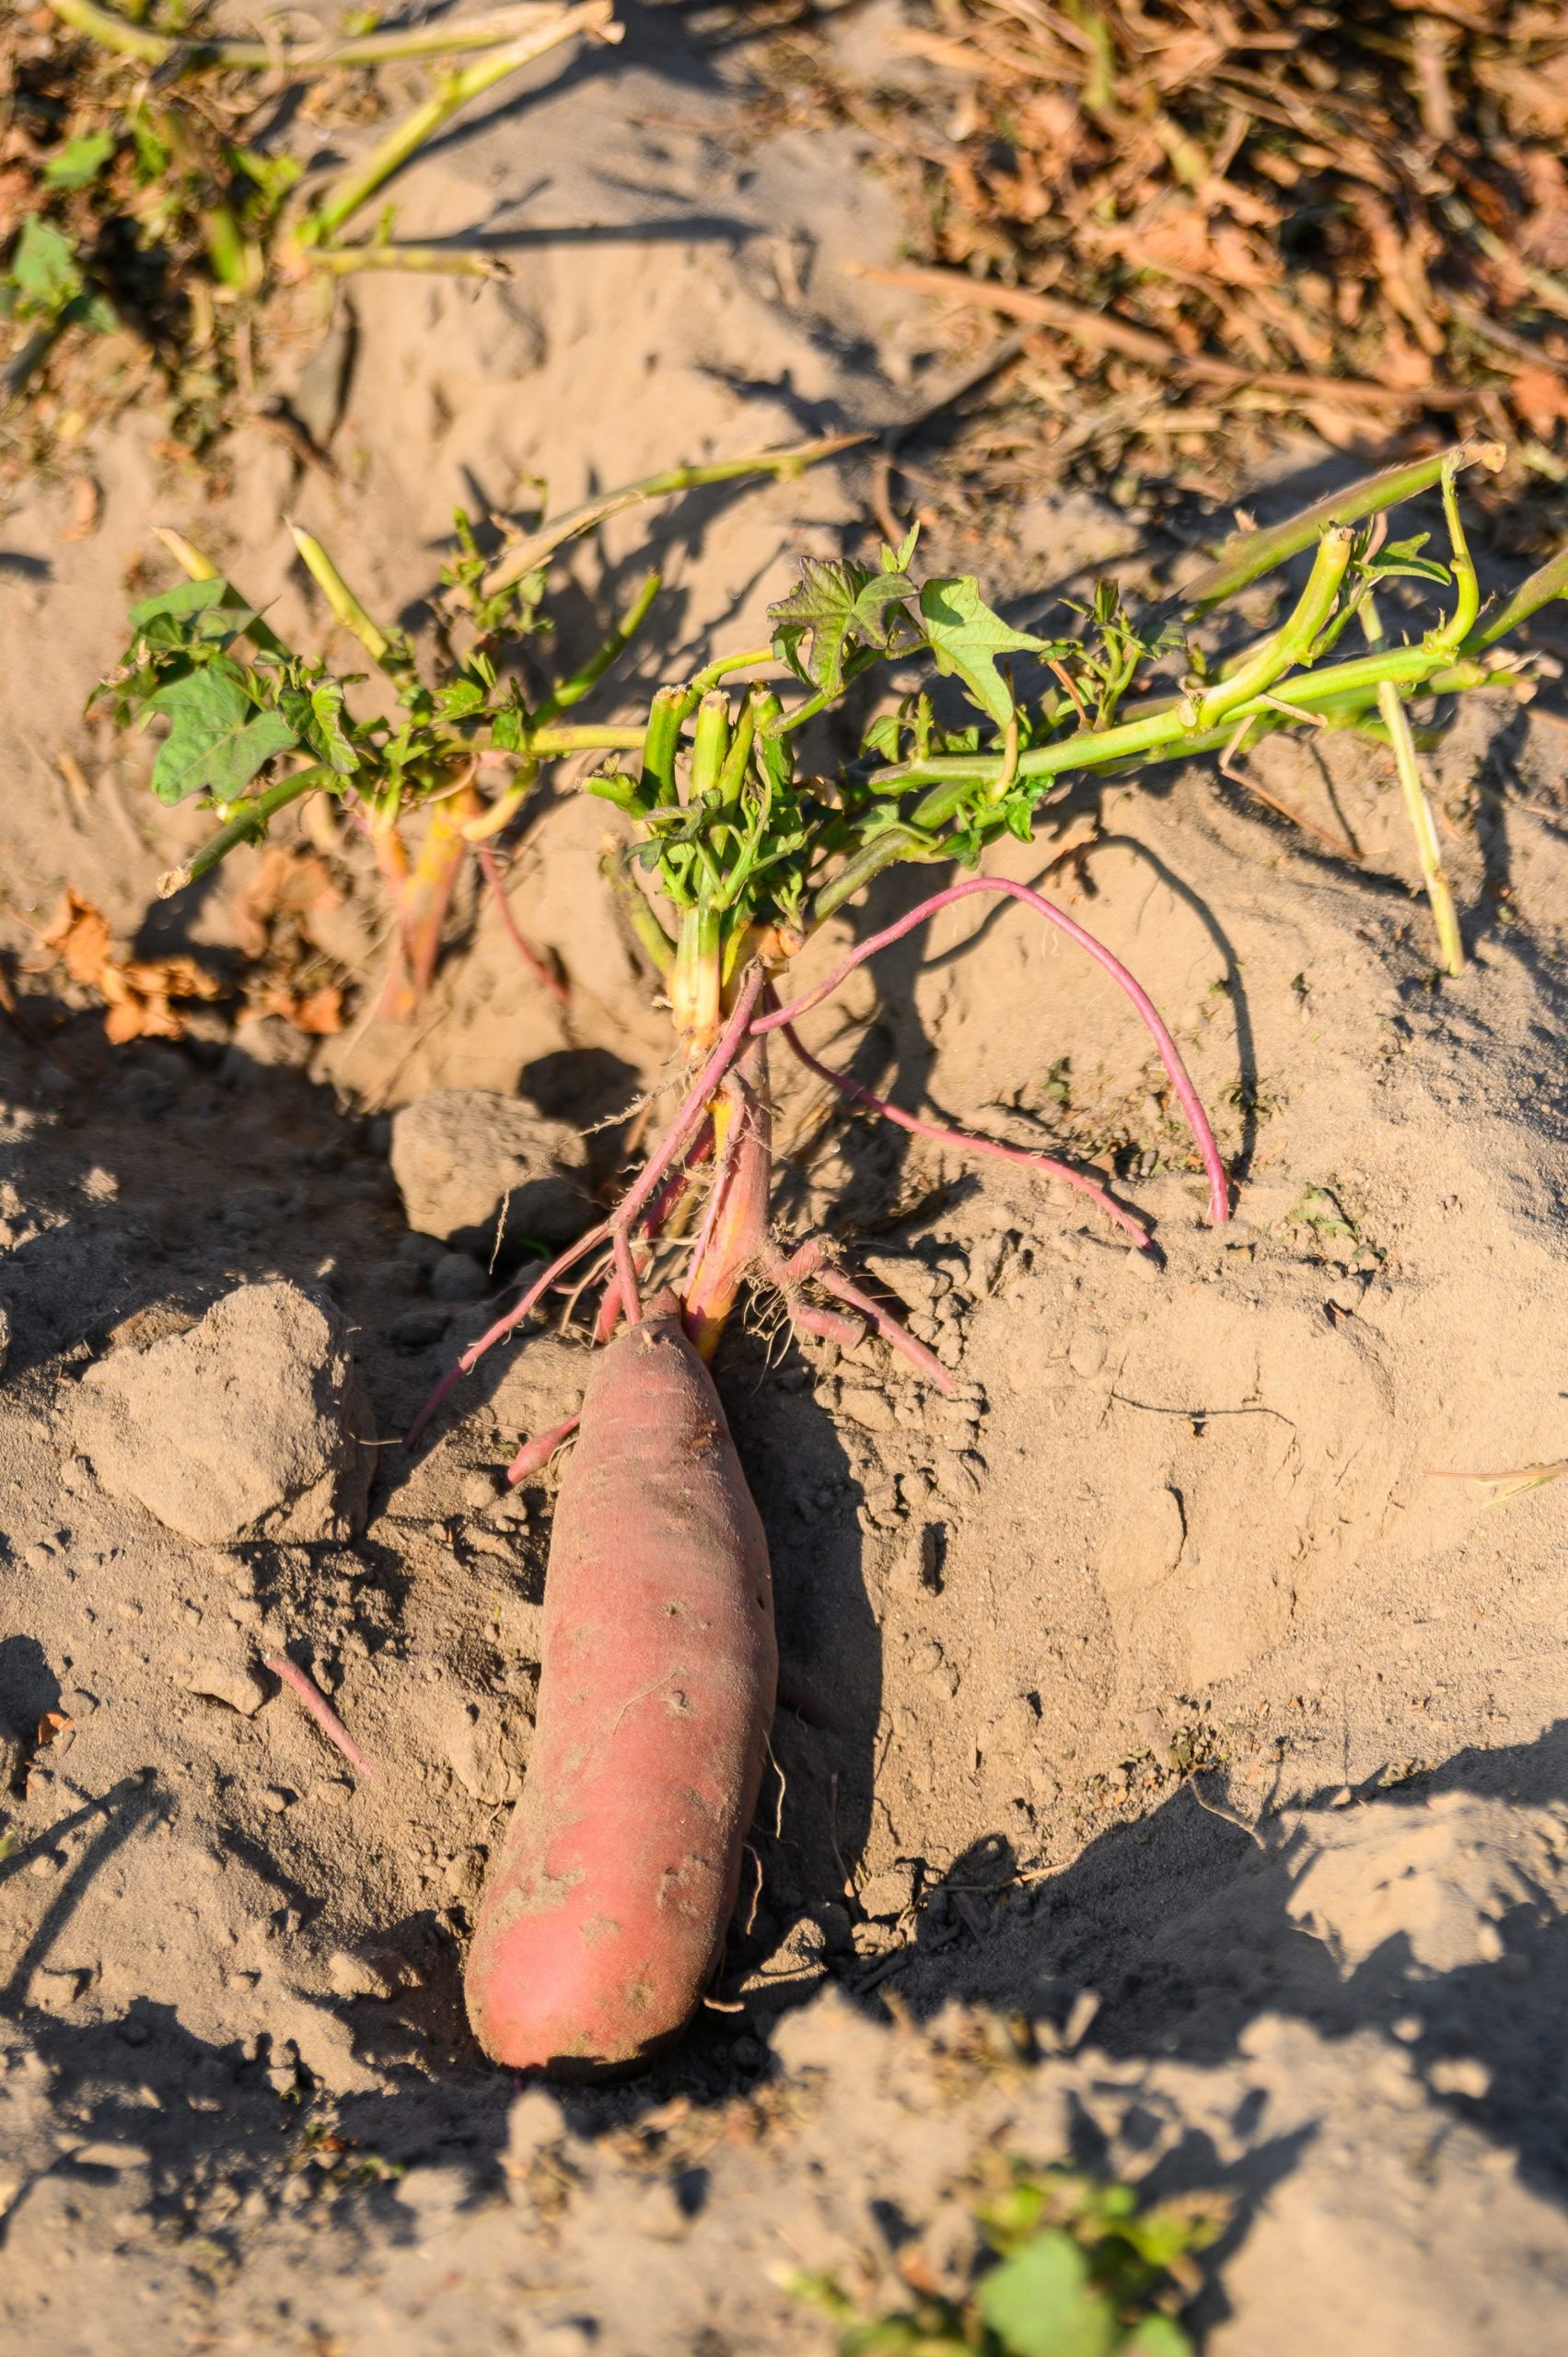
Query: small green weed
[(1319, 1220), (1081, 2270)]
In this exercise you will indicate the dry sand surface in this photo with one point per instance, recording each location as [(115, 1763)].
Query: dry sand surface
[(1155, 1690)]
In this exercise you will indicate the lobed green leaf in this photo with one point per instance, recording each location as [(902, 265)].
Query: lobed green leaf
[(218, 737)]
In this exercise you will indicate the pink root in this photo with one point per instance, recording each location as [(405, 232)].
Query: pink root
[(694, 1106), (536, 1453), (966, 1141), (1219, 1206), (675, 1147), (896, 1337), (811, 1265), (475, 1351), (674, 1187), (628, 1299), (831, 1324), (322, 1711), (538, 967)]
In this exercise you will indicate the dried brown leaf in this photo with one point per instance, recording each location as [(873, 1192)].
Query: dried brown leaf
[(288, 884), (136, 992)]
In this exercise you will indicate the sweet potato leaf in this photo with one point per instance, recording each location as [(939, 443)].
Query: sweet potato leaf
[(316, 716), (966, 637), (43, 268), (192, 613), (1041, 2302), (838, 612), (219, 737)]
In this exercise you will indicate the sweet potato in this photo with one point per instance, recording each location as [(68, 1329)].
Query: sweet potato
[(606, 1909)]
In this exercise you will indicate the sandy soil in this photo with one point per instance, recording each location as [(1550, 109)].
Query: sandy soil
[(1159, 1691)]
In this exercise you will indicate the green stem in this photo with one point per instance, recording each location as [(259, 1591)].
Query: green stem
[(661, 743), (116, 32), (1246, 556), (342, 601), (1467, 604), (1547, 581), (588, 738), (732, 776), (529, 554), (1406, 761), (710, 743), (446, 262), (247, 825), (640, 915), (1293, 643), (573, 690), (452, 92), (748, 660), (889, 845), (1162, 731)]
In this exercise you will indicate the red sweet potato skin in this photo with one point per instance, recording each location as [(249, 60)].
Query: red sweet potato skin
[(606, 1908)]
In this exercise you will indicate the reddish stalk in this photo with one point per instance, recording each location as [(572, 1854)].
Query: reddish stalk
[(831, 1324), (968, 1140), (423, 903), (538, 967), (677, 1140), (322, 1711), (810, 1261), (695, 1105), (630, 1300), (1219, 1207)]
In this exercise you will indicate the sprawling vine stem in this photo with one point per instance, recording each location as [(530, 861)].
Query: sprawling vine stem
[(1170, 1054)]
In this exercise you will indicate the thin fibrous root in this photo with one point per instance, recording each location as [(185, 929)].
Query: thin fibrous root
[(536, 1453), (775, 1020), (502, 1325), (322, 1711), (679, 1140), (967, 1141), (586, 1283), (539, 967)]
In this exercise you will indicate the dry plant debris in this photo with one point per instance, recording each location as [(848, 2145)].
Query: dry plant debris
[(1212, 217), (289, 964), (158, 236), (138, 993)]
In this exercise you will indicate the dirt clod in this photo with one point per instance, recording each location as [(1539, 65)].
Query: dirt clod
[(250, 1420), (474, 1167)]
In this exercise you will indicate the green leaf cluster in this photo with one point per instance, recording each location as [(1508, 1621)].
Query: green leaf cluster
[(234, 698), (746, 840), (226, 721), (1082, 2270), (844, 617), (44, 280)]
